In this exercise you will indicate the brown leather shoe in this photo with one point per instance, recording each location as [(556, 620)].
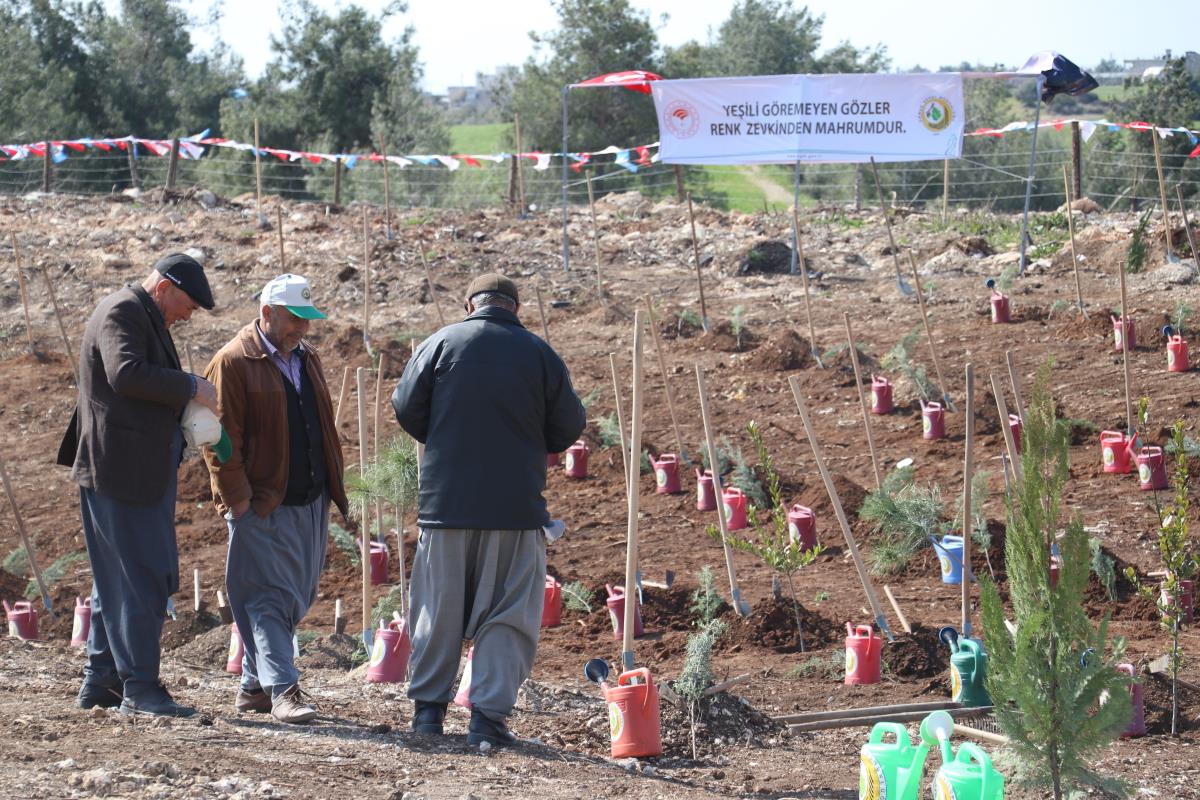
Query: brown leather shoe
[(257, 702), (291, 708)]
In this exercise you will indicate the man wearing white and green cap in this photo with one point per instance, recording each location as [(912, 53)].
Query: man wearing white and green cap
[(275, 489)]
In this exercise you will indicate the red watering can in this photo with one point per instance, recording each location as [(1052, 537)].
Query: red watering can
[(22, 620), (802, 527), (389, 653), (1117, 451), (1014, 424), (576, 461), (1152, 470), (999, 307), (706, 495), (881, 395), (735, 508), (1177, 354), (551, 459), (933, 421), (1129, 328), (82, 624), (1187, 599), (633, 719), (863, 655), (379, 562), (616, 612), (552, 604), (233, 663), (666, 474), (463, 696)]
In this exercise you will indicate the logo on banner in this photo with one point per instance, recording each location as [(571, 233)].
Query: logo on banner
[(681, 119), (936, 113)]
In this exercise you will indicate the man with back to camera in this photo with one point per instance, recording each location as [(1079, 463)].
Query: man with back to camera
[(124, 447), (275, 489), (489, 400)]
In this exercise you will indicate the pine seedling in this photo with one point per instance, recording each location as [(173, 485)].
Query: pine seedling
[(55, 572), (737, 324), (1135, 255), (697, 675), (1181, 560), (577, 597), (743, 478), (1060, 698), (1179, 319), (589, 399), (687, 317), (724, 456), (392, 479), (393, 601), (610, 431), (706, 600), (905, 516), (899, 359), (343, 541), (1104, 568), (17, 562), (772, 542)]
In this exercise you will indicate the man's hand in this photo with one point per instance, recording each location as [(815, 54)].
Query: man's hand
[(206, 394), (241, 509)]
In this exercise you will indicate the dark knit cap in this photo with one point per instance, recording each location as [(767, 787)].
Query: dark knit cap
[(186, 273)]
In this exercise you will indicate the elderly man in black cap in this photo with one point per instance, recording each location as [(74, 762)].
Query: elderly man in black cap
[(124, 447), (489, 400)]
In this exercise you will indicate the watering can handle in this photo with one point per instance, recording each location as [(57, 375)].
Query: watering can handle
[(969, 751), (882, 729), (625, 678), (859, 629)]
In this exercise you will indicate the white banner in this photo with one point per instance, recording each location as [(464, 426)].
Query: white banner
[(812, 118)]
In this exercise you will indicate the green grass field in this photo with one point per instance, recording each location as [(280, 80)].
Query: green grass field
[(478, 139)]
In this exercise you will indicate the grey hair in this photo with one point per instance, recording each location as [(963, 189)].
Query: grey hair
[(494, 299)]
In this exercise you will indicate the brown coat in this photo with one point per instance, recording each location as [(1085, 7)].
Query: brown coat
[(131, 393), (254, 413)]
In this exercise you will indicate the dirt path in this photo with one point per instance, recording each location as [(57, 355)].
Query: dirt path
[(772, 191)]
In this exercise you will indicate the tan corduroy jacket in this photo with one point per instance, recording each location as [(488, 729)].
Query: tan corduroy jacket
[(254, 413)]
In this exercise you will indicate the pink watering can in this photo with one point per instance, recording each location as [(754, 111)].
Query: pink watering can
[(233, 663), (22, 620), (389, 653), (706, 495), (463, 696), (881, 395), (82, 624), (666, 474), (1117, 450), (933, 421), (576, 460)]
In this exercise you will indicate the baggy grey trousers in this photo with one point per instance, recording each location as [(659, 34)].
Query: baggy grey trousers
[(483, 585), (271, 573)]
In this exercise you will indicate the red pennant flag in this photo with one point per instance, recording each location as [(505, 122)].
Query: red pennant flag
[(643, 158), (584, 158), (989, 132), (473, 162), (636, 80), (1195, 153)]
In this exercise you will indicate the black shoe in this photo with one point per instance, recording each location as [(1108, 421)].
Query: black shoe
[(428, 717), (92, 695), (156, 702), (487, 730)]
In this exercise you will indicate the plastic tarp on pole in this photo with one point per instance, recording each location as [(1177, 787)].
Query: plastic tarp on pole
[(810, 118)]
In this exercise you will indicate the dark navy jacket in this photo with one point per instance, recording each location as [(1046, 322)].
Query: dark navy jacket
[(489, 400)]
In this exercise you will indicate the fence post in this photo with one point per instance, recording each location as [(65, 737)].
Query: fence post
[(1076, 160), (173, 166), (337, 181), (680, 192), (512, 180), (46, 168), (133, 170), (857, 188)]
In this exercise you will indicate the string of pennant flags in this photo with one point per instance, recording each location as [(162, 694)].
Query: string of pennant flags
[(631, 158)]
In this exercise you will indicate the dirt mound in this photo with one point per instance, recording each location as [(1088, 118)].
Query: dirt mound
[(850, 493), (209, 650), (841, 365), (667, 609), (186, 627), (335, 651), (772, 624), (1156, 694), (766, 257), (194, 485), (787, 350), (917, 655), (12, 587)]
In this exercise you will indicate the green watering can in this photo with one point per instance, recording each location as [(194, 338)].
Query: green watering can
[(969, 776), (968, 669), (890, 770)]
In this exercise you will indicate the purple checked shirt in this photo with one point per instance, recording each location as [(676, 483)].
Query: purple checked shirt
[(290, 367)]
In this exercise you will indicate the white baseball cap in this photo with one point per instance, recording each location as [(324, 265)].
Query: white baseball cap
[(291, 291)]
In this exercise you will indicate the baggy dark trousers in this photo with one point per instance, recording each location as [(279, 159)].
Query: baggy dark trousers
[(483, 585), (135, 568), (271, 573)]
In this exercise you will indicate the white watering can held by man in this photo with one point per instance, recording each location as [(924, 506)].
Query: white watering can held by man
[(202, 428)]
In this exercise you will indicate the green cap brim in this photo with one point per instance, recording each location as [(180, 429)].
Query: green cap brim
[(305, 312), (223, 449)]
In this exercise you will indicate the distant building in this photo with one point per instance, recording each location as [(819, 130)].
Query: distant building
[(1152, 67)]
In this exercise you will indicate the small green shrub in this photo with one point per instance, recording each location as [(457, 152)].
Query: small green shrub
[(1104, 568), (55, 572), (577, 597), (706, 600), (17, 562), (1135, 255), (610, 431), (344, 541)]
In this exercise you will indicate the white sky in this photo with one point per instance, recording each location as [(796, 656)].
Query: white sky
[(459, 38)]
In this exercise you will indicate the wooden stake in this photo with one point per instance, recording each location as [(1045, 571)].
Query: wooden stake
[(131, 152), (1125, 353), (887, 590), (868, 587), (24, 295), (337, 415), (1187, 226), (866, 713), (537, 287), (387, 190), (339, 622), (635, 451), (696, 258), (937, 366), (729, 684), (173, 164), (902, 716), (968, 476), (196, 590), (30, 554), (1074, 256), (945, 190), (400, 555), (595, 239), (223, 609), (1014, 460), (1162, 195), (517, 158), (437, 304), (679, 189), (1076, 159), (887, 219), (282, 254), (975, 733), (338, 169), (812, 336), (366, 282), (735, 592), (862, 398), (47, 160), (262, 217), (364, 539), (662, 366), (1016, 385), (378, 405), (612, 365), (72, 356)]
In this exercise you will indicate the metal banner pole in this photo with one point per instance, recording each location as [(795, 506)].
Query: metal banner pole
[(1037, 117)]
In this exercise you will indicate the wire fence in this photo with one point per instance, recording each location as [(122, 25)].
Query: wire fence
[(991, 174)]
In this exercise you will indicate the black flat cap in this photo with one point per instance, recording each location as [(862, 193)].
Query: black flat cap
[(186, 273), (493, 282)]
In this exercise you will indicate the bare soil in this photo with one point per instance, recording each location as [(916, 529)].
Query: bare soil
[(361, 744)]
